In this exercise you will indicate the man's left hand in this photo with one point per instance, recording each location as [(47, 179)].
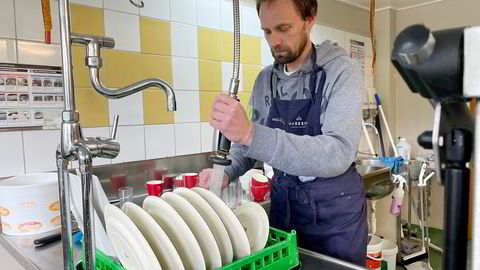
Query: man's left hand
[(230, 118)]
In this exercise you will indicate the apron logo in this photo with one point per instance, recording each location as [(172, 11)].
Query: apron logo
[(298, 123)]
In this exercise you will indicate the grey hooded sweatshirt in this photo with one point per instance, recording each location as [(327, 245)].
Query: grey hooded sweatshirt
[(326, 155)]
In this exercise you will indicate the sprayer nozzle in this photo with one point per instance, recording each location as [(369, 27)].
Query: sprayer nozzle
[(220, 159)]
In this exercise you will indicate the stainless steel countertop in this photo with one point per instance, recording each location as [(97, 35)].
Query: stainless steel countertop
[(50, 257)]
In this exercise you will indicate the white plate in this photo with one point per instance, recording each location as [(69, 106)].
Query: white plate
[(213, 221), (155, 236), (238, 237), (131, 247), (99, 198), (101, 238), (177, 231), (254, 220), (199, 228)]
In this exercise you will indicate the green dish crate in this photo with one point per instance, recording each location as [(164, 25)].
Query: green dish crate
[(279, 253)]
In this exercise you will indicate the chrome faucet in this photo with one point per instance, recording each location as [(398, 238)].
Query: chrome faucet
[(365, 124), (74, 147)]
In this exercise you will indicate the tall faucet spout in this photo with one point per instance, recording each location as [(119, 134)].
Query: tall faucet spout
[(133, 88)]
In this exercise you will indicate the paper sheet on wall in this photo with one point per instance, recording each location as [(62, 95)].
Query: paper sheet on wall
[(30, 96), (357, 53)]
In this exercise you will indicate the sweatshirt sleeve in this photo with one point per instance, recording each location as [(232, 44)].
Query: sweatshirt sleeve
[(326, 155)]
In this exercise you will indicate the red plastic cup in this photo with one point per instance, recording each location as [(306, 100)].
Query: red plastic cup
[(178, 181), (258, 193), (259, 180), (191, 179), (159, 173), (118, 181), (168, 180), (155, 187)]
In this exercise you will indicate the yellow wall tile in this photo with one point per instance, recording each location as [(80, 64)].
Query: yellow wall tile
[(80, 71), (206, 103), (209, 44), (155, 36), (210, 75), (250, 50), (155, 66), (123, 68), (93, 108), (87, 20), (244, 99), (227, 46), (154, 111), (250, 73)]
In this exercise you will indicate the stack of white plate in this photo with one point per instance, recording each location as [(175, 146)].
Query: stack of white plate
[(185, 229)]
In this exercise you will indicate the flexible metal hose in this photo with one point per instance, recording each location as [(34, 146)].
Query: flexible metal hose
[(234, 82)]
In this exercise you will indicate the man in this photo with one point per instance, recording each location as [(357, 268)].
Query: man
[(306, 124)]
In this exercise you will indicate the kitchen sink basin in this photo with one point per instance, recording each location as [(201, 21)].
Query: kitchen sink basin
[(377, 178)]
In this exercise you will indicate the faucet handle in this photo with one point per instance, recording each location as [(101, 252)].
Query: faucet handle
[(114, 127)]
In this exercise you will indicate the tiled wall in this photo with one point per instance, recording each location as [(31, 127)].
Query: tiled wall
[(188, 43)]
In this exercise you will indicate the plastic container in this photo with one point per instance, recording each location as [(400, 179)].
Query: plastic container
[(404, 149), (279, 253), (390, 250), (29, 204), (374, 253)]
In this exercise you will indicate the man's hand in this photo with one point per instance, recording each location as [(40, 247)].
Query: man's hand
[(206, 174), (230, 118)]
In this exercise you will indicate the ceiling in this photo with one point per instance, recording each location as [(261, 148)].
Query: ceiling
[(394, 4)]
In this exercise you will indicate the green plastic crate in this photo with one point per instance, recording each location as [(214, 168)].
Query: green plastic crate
[(103, 263), (280, 253)]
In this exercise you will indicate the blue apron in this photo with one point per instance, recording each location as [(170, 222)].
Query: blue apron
[(329, 214)]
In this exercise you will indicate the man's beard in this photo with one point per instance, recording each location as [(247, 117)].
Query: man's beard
[(285, 55)]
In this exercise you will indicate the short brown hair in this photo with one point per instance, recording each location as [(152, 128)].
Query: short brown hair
[(306, 8)]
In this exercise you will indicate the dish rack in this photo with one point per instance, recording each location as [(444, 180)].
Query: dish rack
[(279, 253)]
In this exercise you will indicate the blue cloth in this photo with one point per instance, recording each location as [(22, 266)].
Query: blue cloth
[(395, 163)]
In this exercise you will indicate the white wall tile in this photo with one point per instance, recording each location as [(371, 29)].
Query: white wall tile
[(188, 106), (227, 15), (92, 3), (129, 109), (11, 154), (159, 141), (184, 40), (208, 13), (187, 139), (29, 20), (40, 147), (124, 28), (122, 6), (327, 33), (8, 52), (7, 19), (185, 73), (250, 23), (98, 132), (227, 73), (339, 37), (207, 137), (316, 34), (184, 11), (37, 53), (267, 58), (132, 144), (159, 9)]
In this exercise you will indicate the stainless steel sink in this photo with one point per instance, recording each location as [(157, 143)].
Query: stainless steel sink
[(377, 178)]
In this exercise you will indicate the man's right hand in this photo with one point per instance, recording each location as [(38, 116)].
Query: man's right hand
[(206, 174)]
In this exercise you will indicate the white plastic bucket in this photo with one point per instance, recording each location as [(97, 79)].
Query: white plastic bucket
[(390, 250), (374, 252), (29, 204)]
